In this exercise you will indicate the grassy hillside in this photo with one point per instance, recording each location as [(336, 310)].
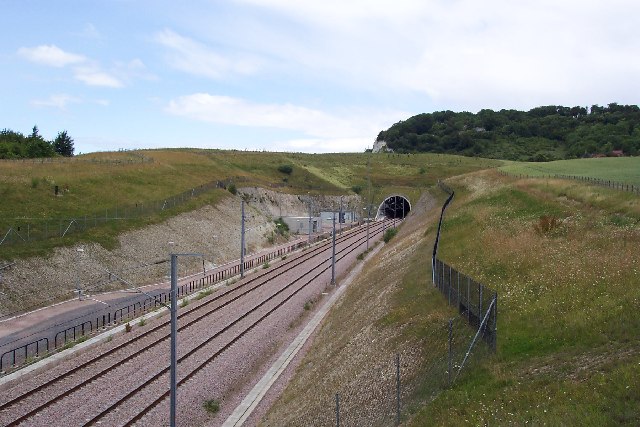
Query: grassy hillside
[(623, 169), (563, 258), (91, 184), (566, 272)]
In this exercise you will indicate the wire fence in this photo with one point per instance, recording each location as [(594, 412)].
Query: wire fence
[(385, 392), (134, 158), (382, 393), (622, 186), (26, 230), (476, 303)]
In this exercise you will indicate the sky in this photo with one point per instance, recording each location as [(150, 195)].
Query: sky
[(297, 75)]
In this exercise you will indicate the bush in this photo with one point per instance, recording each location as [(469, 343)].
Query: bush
[(232, 189), (281, 227), (356, 189), (211, 406), (388, 235), (285, 169)]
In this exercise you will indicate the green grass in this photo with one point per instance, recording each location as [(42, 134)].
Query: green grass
[(96, 183), (622, 169), (567, 327)]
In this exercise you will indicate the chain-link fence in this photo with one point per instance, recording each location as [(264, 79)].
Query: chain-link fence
[(385, 392)]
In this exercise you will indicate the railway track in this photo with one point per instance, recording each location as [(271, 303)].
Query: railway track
[(27, 405)]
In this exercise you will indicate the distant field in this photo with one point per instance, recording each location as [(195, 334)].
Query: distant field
[(622, 169)]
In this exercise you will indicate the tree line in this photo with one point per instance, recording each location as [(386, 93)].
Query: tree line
[(15, 145), (540, 134)]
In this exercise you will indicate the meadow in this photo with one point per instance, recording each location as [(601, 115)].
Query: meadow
[(567, 275), (622, 169)]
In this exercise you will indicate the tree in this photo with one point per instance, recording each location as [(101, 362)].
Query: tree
[(37, 146), (63, 144)]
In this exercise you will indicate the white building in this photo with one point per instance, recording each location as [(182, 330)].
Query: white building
[(300, 224)]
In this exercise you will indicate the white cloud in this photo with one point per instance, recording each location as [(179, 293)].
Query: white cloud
[(312, 122), (59, 101), (462, 54), (322, 145), (347, 130), (196, 58), (93, 75), (86, 70), (50, 55)]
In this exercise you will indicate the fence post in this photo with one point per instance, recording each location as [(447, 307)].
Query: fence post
[(458, 301), (449, 290), (480, 288), (398, 389), (468, 299), (450, 350), (495, 321)]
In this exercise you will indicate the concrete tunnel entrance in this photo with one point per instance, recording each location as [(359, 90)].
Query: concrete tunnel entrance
[(394, 207)]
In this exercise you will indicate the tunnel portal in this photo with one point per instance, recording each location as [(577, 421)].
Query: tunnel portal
[(394, 207)]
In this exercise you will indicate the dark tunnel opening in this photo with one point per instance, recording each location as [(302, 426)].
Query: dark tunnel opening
[(395, 207)]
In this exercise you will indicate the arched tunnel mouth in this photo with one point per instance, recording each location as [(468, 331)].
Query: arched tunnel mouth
[(394, 207)]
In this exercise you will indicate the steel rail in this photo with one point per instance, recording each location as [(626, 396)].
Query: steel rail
[(269, 275)]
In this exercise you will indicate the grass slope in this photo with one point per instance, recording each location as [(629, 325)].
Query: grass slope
[(103, 181), (568, 325), (563, 258)]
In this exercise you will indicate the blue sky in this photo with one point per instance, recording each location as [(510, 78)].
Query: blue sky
[(321, 76)]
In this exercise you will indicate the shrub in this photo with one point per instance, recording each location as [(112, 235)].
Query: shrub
[(281, 227), (287, 169), (203, 294), (142, 322), (356, 189), (265, 265), (212, 406), (388, 235), (232, 189)]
